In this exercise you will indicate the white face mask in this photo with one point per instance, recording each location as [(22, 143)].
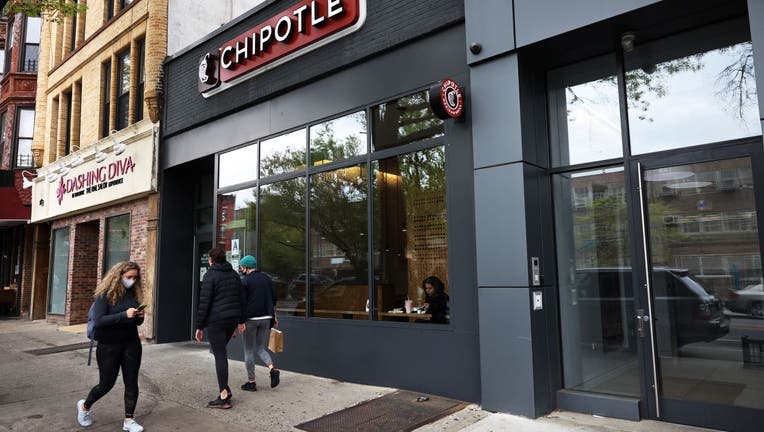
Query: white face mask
[(128, 283)]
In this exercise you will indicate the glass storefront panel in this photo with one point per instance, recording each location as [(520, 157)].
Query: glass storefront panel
[(339, 243), (410, 240), (404, 121), (338, 139), (693, 88), (595, 281), (282, 242), (238, 166), (59, 272), (583, 112), (283, 154), (117, 245), (237, 224)]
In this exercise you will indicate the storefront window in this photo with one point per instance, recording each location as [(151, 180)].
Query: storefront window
[(410, 236), (283, 154), (339, 243), (694, 88), (338, 139), (59, 271), (117, 241), (238, 166), (596, 294), (237, 224), (404, 121), (282, 242), (583, 112)]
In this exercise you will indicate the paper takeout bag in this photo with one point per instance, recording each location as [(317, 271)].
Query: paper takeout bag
[(276, 340)]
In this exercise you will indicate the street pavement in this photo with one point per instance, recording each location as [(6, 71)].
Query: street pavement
[(39, 393)]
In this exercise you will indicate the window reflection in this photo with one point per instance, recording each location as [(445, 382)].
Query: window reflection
[(688, 90), (410, 240), (282, 242), (584, 114), (596, 294), (117, 247), (339, 264), (60, 272), (237, 224), (283, 153), (238, 166), (405, 120), (338, 139)]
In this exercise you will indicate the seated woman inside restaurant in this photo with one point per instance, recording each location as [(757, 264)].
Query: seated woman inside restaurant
[(435, 300)]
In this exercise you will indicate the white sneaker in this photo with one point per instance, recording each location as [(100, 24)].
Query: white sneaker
[(132, 426), (83, 417)]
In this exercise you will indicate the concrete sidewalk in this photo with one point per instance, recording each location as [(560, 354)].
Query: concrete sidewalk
[(38, 393)]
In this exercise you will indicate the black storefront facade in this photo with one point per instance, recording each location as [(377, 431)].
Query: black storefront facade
[(593, 214)]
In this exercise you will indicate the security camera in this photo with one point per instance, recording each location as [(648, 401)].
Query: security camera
[(627, 41)]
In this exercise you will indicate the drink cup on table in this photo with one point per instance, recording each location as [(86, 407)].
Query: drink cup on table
[(408, 305)]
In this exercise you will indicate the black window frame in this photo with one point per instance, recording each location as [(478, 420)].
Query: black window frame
[(122, 99), (105, 114), (141, 80), (68, 126), (9, 42), (16, 138), (25, 49)]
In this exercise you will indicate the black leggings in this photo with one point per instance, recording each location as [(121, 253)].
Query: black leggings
[(219, 334), (112, 357)]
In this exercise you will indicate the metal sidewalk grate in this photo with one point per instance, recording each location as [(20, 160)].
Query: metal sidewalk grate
[(58, 349), (400, 411)]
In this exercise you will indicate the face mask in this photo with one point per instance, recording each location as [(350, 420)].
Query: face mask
[(128, 283)]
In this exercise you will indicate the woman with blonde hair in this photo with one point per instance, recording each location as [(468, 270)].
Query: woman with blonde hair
[(117, 313)]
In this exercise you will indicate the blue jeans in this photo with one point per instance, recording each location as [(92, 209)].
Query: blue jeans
[(255, 340)]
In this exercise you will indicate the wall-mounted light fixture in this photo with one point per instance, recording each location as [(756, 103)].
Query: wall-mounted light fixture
[(99, 155), (27, 183), (62, 169), (76, 160), (118, 147), (51, 176)]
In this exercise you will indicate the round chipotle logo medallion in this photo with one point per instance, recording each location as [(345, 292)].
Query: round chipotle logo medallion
[(451, 98)]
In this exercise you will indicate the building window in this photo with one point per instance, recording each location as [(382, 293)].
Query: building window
[(31, 44), (106, 113), (109, 9), (73, 29), (59, 272), (68, 123), (123, 90), (9, 42), (2, 63), (117, 243), (3, 117), (141, 70), (24, 135)]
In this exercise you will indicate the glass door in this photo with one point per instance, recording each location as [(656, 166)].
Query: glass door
[(202, 244), (702, 278)]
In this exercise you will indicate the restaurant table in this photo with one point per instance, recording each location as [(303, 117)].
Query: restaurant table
[(353, 314)]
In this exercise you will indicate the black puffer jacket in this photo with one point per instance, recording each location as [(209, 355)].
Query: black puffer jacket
[(221, 298), (112, 326)]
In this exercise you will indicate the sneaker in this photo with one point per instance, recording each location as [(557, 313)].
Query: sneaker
[(249, 386), (132, 426), (220, 403), (83, 417), (275, 377)]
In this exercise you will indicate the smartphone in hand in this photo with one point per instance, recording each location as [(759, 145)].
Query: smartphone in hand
[(141, 307)]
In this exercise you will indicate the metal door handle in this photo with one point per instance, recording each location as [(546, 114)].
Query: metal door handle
[(641, 320)]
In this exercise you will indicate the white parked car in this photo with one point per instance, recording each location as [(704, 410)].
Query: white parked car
[(749, 300)]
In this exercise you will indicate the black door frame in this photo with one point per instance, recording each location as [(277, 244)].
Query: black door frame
[(656, 407)]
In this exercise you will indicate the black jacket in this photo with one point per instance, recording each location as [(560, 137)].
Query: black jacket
[(221, 298), (112, 326), (261, 298), (438, 307)]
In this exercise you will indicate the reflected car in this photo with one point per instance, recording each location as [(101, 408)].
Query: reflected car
[(748, 300), (296, 288), (682, 307)]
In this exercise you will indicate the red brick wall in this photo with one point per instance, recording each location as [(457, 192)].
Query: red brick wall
[(87, 251)]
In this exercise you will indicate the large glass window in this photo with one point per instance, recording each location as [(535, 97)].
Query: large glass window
[(24, 136), (123, 90), (117, 245), (339, 243), (237, 166), (141, 48), (584, 113), (596, 293), (282, 242), (31, 44), (693, 88), (59, 271), (403, 121), (237, 224), (10, 40), (283, 154), (338, 139), (410, 238)]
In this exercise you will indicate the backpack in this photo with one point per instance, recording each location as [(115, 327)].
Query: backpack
[(91, 330)]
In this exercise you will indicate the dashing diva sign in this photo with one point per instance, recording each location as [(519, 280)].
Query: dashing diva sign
[(93, 184), (302, 28)]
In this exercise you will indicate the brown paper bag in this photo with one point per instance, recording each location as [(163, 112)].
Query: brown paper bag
[(276, 340)]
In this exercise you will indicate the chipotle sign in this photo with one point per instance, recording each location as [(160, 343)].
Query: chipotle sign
[(303, 27)]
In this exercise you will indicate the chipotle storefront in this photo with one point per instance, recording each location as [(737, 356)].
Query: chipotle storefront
[(330, 140)]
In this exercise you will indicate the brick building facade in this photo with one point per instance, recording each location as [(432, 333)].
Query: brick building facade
[(96, 145)]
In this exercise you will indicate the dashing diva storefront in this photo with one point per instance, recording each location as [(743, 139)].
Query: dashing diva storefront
[(304, 133)]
